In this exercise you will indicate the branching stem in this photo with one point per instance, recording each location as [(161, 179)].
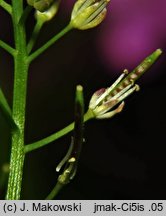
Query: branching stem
[(30, 147), (5, 108), (6, 6), (8, 48), (49, 43), (19, 103), (34, 36)]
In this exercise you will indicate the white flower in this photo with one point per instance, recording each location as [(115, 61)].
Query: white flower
[(104, 100)]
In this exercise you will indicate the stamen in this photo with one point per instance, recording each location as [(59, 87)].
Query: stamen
[(122, 91), (126, 71), (137, 87), (129, 92), (72, 160), (103, 108), (108, 90), (123, 84), (66, 158)]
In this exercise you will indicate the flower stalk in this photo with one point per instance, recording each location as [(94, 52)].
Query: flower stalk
[(7, 7), (41, 19)]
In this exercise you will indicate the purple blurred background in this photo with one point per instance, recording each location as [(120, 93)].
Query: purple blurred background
[(131, 31)]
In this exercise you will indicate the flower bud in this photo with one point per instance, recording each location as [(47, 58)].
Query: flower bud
[(48, 14), (41, 5), (88, 13)]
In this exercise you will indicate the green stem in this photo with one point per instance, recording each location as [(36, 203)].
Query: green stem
[(34, 36), (30, 147), (6, 6), (8, 48), (49, 43), (55, 191), (4, 103), (25, 14), (19, 102), (5, 108)]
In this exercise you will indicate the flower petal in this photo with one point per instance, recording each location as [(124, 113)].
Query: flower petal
[(112, 113)]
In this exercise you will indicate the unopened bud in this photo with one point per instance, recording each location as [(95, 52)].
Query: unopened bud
[(41, 5), (48, 14), (88, 13)]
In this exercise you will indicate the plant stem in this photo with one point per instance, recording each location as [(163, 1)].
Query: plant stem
[(55, 191), (25, 14), (19, 102), (49, 43), (6, 6), (30, 147), (8, 48), (5, 108), (17, 152), (3, 103), (34, 36)]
